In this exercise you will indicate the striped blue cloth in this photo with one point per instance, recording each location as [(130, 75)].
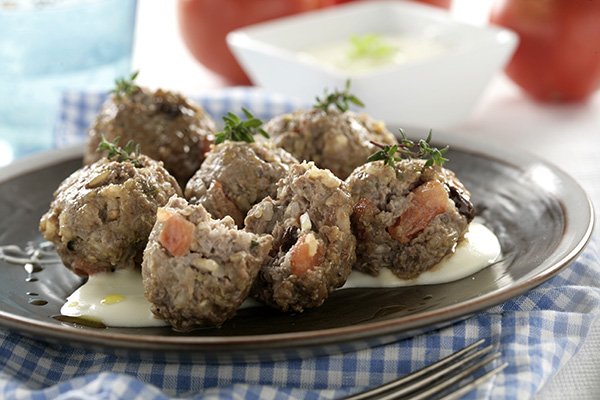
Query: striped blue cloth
[(537, 333)]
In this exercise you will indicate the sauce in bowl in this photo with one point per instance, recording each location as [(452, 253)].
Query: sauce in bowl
[(364, 53)]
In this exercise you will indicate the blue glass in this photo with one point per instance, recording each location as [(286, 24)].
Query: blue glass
[(51, 46)]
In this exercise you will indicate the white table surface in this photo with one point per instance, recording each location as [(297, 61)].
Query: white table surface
[(567, 136)]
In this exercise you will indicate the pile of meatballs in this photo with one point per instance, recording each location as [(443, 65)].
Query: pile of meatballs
[(283, 220)]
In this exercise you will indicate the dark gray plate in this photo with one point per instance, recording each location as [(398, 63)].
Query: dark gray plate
[(541, 216)]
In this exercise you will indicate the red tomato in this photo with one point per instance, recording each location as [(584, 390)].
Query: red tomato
[(440, 3), (205, 23), (558, 58)]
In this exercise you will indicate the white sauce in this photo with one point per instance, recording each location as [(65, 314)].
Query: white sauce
[(116, 299), (477, 250), (403, 49)]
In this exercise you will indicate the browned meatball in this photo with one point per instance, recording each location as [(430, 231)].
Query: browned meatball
[(168, 127), (198, 270), (313, 246), (406, 218), (338, 141), (102, 214), (237, 175)]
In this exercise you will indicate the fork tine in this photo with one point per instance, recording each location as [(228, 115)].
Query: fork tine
[(442, 378), (438, 364), (471, 385), (439, 387), (434, 372), (442, 370), (405, 380)]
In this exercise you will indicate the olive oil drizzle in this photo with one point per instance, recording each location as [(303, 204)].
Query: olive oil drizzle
[(32, 258)]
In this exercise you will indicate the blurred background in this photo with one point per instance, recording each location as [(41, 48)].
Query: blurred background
[(48, 46), (45, 48), (153, 45)]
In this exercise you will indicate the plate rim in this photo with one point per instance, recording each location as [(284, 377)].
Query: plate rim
[(386, 331)]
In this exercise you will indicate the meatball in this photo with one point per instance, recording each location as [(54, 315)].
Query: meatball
[(168, 127), (313, 247), (197, 270), (237, 175), (406, 218), (338, 141), (102, 214)]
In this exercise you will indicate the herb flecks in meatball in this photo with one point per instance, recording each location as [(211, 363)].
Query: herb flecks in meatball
[(334, 140), (102, 214), (405, 215), (169, 127), (197, 271), (330, 134), (237, 175), (313, 247)]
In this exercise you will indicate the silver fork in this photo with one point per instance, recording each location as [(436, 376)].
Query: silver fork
[(437, 377)]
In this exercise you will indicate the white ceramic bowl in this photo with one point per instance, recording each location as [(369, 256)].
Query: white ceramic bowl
[(435, 91)]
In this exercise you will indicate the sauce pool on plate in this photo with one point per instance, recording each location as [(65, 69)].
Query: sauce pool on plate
[(117, 299), (477, 250)]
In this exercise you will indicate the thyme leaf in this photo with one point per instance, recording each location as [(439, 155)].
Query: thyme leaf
[(340, 99), (409, 150), (370, 45), (237, 130), (387, 154), (127, 153), (125, 87)]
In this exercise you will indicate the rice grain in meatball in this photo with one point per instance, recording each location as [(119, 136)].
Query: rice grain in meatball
[(169, 127), (313, 246), (406, 218), (237, 175), (197, 270), (338, 141), (102, 214)]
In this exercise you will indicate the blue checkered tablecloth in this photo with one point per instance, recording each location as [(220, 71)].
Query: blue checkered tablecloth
[(537, 333), (79, 109)]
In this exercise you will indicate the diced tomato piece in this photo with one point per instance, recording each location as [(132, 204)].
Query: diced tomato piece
[(364, 207), (306, 254), (429, 200), (177, 235)]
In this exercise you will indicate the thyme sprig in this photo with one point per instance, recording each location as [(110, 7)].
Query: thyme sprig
[(409, 149), (340, 99), (128, 153), (125, 86), (237, 130)]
